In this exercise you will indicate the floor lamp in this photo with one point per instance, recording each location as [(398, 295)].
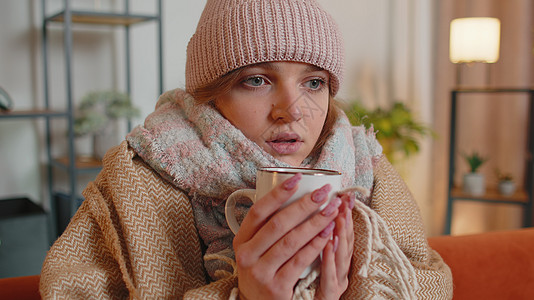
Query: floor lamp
[(474, 40)]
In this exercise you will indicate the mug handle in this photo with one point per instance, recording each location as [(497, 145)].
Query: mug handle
[(229, 208)]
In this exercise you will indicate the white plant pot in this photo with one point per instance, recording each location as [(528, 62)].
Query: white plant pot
[(105, 139), (506, 188), (474, 184), (83, 146)]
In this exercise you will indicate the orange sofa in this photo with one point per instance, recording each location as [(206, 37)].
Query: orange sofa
[(20, 288), (493, 265)]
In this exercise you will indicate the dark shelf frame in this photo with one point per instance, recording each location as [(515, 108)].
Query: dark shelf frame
[(67, 17), (525, 198)]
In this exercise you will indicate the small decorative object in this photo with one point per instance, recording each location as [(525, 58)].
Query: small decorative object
[(506, 184), (97, 115), (396, 128), (5, 101), (474, 182)]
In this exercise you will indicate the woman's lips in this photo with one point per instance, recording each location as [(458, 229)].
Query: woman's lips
[(285, 143)]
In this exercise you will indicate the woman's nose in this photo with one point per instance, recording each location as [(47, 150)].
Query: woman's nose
[(285, 105)]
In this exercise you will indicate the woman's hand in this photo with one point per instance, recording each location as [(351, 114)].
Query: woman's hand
[(274, 247), (337, 254)]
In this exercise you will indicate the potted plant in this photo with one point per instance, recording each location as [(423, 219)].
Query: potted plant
[(474, 183), (97, 115), (506, 184), (396, 128)]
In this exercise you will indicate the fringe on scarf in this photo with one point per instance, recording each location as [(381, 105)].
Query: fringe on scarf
[(380, 246)]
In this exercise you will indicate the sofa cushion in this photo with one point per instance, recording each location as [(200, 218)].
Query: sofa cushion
[(492, 265), (20, 288)]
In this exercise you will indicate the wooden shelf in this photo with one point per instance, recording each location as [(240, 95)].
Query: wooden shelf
[(86, 17), (34, 113), (492, 195), (468, 89), (87, 163)]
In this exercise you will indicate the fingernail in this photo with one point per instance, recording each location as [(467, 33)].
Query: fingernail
[(331, 207), (319, 195), (328, 230), (292, 182), (336, 243)]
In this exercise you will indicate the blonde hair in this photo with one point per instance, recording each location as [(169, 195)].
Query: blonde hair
[(209, 92)]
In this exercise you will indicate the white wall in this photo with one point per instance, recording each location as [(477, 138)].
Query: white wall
[(19, 161), (388, 57)]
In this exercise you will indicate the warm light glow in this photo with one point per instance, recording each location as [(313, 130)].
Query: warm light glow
[(475, 40)]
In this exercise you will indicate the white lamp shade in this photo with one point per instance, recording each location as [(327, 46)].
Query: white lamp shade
[(474, 40)]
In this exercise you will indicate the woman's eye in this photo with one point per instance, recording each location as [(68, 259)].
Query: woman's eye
[(315, 84), (255, 81)]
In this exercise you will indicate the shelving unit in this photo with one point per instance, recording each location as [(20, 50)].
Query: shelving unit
[(73, 165), (523, 198), (70, 164)]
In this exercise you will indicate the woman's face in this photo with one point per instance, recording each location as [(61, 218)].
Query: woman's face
[(282, 106)]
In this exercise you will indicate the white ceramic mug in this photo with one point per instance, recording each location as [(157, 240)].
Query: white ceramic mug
[(268, 178)]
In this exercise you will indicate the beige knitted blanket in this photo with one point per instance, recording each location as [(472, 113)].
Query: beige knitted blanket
[(134, 237)]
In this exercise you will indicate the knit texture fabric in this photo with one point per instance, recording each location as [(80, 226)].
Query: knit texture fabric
[(196, 148), (236, 33), (134, 237)]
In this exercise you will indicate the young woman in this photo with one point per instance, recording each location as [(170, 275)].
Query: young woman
[(260, 80)]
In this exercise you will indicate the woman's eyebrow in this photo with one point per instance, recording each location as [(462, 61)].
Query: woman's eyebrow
[(312, 68), (267, 65)]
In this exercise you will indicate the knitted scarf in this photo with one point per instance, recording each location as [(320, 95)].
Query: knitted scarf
[(193, 146)]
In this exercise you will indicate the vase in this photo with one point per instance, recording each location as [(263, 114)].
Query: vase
[(474, 184), (506, 187), (105, 139), (84, 146)]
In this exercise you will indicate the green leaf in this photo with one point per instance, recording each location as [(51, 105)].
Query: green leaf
[(97, 108), (397, 129)]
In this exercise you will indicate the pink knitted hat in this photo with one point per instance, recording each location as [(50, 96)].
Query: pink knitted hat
[(236, 33)]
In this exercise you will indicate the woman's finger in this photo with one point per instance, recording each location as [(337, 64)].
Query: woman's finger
[(308, 254), (288, 219), (298, 237), (328, 285), (343, 250), (262, 210)]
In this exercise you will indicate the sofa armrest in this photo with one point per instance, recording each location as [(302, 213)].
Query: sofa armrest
[(492, 265), (20, 288)]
